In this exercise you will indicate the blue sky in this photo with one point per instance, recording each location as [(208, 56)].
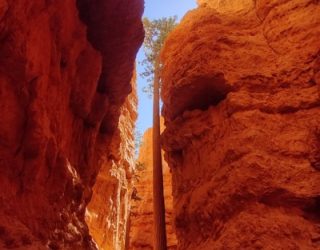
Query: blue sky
[(156, 9)]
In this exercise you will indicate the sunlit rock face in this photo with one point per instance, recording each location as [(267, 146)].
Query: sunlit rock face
[(65, 71), (228, 6), (242, 115), (108, 211), (141, 219)]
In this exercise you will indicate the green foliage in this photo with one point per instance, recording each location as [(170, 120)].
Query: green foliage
[(156, 31), (140, 166)]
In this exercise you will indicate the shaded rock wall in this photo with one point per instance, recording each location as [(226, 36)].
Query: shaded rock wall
[(108, 211), (63, 81), (242, 115), (141, 219)]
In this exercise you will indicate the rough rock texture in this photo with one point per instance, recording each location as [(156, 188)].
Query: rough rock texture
[(141, 219), (224, 6), (242, 115), (108, 211), (63, 79)]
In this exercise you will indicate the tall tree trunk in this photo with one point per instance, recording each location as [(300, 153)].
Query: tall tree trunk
[(160, 239)]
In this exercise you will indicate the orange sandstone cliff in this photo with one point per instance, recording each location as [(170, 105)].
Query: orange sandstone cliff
[(141, 218), (108, 211), (242, 113), (65, 71)]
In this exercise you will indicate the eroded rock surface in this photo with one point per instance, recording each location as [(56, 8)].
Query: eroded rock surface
[(108, 211), (141, 219), (65, 70), (245, 159)]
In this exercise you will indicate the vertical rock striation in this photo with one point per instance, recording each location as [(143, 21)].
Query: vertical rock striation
[(108, 211), (242, 115), (141, 218), (65, 70)]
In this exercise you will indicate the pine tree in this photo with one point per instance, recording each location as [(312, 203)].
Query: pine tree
[(156, 33)]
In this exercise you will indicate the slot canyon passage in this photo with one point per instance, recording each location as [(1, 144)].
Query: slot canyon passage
[(241, 134)]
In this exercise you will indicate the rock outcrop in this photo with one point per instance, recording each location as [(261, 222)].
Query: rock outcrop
[(242, 114), (108, 211), (228, 6), (65, 71), (141, 219)]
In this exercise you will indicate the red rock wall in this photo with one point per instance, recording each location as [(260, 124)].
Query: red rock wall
[(63, 81), (141, 219), (242, 115), (108, 211)]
